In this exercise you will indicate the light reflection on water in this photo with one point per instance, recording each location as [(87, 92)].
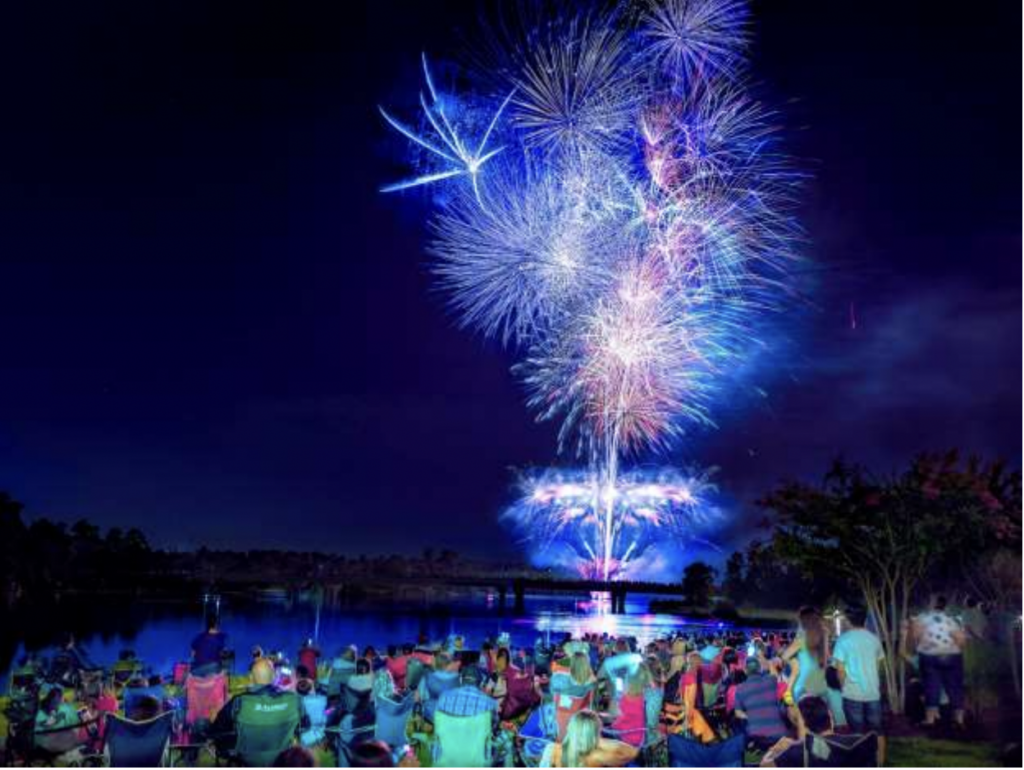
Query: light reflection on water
[(162, 638)]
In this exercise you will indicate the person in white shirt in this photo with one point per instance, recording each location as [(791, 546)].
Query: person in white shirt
[(940, 640)]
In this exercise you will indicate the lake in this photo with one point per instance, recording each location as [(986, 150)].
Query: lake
[(160, 632)]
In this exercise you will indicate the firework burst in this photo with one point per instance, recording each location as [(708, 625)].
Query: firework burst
[(617, 211)]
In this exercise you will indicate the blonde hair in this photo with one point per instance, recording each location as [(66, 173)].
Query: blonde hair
[(579, 668), (582, 735), (639, 680), (262, 671)]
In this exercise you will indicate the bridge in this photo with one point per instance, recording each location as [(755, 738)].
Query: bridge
[(517, 587)]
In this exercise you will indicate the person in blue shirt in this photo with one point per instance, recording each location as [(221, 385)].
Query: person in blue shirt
[(207, 648), (857, 654)]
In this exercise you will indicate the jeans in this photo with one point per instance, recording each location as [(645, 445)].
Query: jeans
[(943, 672), (863, 716)]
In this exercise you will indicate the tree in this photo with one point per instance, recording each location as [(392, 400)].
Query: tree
[(884, 536), (698, 580), (734, 585)]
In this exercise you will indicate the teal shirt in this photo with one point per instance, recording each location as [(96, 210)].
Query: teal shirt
[(859, 651)]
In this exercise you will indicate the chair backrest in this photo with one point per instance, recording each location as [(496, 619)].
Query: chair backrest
[(686, 752), (566, 706), (415, 670), (315, 706), (341, 671), (393, 719), (355, 701), (463, 741), (853, 751), (206, 696), (266, 726), (138, 744), (132, 694)]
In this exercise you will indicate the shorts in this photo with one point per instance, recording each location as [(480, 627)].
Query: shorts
[(863, 716)]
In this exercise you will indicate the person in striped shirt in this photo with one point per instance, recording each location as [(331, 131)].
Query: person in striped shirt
[(757, 702)]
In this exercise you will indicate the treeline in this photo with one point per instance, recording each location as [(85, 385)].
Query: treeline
[(46, 555)]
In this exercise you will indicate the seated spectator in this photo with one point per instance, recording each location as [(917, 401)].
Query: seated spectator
[(262, 696), (577, 681), (144, 708), (436, 683), (630, 722), (54, 712), (397, 664), (817, 745), (584, 746), (466, 699), (497, 683)]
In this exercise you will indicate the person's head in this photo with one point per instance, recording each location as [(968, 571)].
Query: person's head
[(639, 680), (257, 652), (469, 676), (442, 661), (52, 699), (502, 660), (363, 666), (262, 671), (579, 668), (856, 617), (349, 653), (656, 668), (392, 650), (693, 662), (302, 672), (144, 708), (304, 686), (939, 603), (370, 652), (211, 624), (371, 754), (676, 664), (295, 756), (408, 648), (752, 666), (582, 735), (814, 633), (814, 714), (309, 642)]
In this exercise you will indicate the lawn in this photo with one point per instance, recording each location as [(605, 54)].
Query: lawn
[(929, 752)]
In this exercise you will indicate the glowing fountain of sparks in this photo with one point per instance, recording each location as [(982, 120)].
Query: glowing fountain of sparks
[(565, 512)]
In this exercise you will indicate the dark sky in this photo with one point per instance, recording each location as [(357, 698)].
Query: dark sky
[(212, 325)]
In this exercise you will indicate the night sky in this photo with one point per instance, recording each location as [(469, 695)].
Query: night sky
[(213, 327)]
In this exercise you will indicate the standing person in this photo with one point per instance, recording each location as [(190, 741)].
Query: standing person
[(808, 655), (756, 701), (857, 654), (940, 642), (206, 649), (309, 656)]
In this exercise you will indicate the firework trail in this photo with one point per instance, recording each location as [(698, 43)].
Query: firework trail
[(611, 204)]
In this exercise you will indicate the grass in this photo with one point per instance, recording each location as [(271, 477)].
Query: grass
[(930, 752)]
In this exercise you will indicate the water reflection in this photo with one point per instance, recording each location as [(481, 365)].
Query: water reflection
[(160, 632)]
